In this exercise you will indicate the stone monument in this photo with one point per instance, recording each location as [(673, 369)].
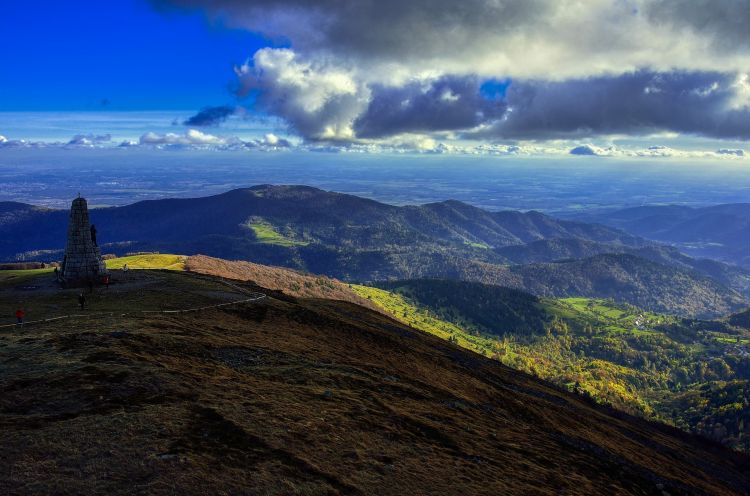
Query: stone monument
[(82, 263)]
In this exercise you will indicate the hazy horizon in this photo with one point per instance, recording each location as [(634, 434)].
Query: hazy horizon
[(565, 185)]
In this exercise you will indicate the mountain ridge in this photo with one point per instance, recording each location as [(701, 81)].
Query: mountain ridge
[(358, 239), (228, 212), (719, 231)]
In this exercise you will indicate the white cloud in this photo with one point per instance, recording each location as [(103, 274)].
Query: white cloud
[(589, 150), (190, 137), (318, 100), (89, 140), (659, 151), (22, 143), (408, 143), (741, 89), (656, 151), (272, 140)]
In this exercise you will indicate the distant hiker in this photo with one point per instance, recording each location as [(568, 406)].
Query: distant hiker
[(125, 271), (93, 234), (81, 300), (20, 314), (105, 280)]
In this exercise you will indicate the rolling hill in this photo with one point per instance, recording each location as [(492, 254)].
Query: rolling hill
[(301, 396), (566, 249), (624, 278), (633, 280), (293, 217)]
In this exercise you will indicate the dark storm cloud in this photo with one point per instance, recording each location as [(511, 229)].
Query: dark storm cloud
[(400, 28), (210, 116), (701, 103), (725, 22), (448, 103), (548, 39)]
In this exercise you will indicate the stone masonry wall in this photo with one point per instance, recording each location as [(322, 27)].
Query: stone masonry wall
[(83, 261)]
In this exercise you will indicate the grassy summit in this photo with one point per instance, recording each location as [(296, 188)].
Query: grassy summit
[(149, 261), (302, 396)]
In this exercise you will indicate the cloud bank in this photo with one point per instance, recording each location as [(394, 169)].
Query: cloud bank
[(320, 103), (194, 139)]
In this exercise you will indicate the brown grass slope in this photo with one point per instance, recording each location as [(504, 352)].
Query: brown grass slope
[(289, 281), (302, 396)]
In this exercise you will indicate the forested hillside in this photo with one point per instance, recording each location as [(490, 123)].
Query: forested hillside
[(694, 374)]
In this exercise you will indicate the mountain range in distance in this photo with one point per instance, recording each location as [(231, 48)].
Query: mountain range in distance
[(721, 232), (358, 239)]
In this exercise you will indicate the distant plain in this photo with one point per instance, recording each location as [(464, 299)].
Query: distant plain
[(562, 186)]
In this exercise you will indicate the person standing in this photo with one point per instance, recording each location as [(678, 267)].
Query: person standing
[(81, 300), (20, 314), (125, 272)]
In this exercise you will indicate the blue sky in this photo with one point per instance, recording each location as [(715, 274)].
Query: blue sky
[(115, 55), (602, 78)]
